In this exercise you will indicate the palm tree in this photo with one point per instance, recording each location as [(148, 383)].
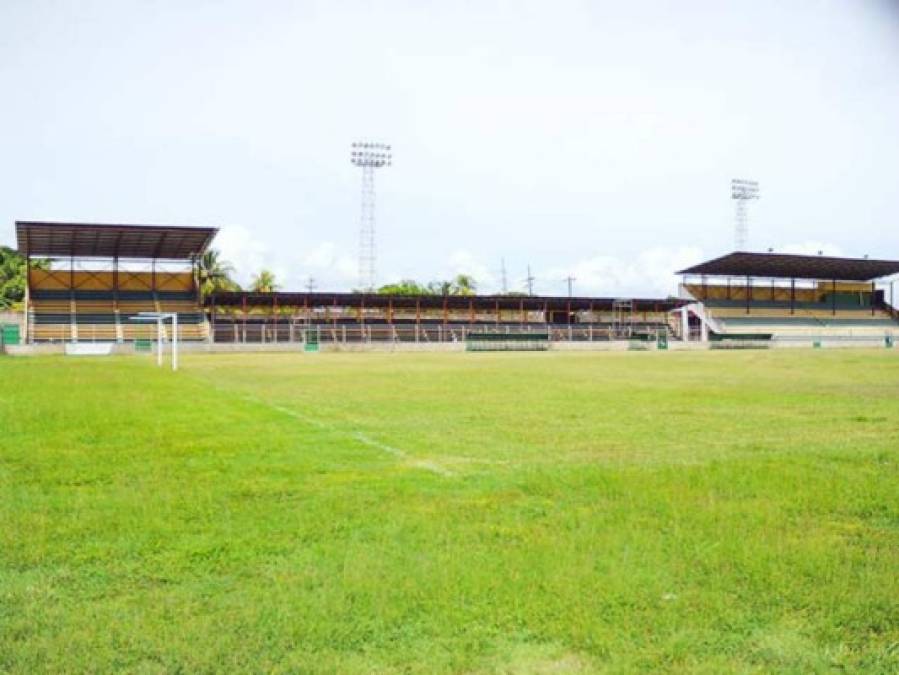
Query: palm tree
[(464, 284), (441, 287), (215, 273), (264, 282)]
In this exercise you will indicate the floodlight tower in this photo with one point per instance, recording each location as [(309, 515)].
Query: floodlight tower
[(741, 191), (369, 156)]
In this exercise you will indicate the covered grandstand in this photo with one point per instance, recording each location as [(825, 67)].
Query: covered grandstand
[(790, 297), (240, 316), (88, 282)]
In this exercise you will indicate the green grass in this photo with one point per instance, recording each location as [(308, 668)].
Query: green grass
[(534, 513)]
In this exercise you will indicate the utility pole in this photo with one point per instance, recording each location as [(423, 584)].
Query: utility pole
[(505, 280), (530, 281), (570, 279), (310, 284)]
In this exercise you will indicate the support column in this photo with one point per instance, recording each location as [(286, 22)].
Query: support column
[(748, 293), (26, 334), (833, 297), (243, 304), (792, 296), (873, 293), (275, 316)]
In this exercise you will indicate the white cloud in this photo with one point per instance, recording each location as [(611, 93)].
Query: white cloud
[(649, 273), (462, 261), (322, 261), (247, 253), (328, 266)]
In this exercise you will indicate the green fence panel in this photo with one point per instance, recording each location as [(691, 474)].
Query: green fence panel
[(506, 342), (9, 334)]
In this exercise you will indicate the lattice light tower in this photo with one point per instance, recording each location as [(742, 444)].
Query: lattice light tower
[(741, 191), (369, 156)]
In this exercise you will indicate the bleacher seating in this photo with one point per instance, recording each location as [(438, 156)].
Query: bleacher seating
[(95, 310), (813, 311)]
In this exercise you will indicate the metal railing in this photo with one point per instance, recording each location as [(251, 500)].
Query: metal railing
[(258, 333)]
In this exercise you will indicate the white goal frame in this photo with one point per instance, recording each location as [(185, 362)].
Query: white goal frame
[(160, 318)]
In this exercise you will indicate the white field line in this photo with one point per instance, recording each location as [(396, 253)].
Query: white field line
[(359, 436)]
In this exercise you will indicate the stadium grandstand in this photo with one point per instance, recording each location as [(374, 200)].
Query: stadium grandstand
[(238, 316), (789, 297), (88, 282)]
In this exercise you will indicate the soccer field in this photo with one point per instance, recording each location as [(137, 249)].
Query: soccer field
[(533, 513)]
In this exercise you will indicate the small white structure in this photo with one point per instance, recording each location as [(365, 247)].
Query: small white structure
[(88, 348)]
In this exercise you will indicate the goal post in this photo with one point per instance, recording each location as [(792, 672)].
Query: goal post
[(160, 318)]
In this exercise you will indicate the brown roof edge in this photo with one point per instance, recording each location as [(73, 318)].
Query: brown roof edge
[(104, 240)]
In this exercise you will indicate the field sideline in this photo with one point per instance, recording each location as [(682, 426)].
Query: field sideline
[(511, 513)]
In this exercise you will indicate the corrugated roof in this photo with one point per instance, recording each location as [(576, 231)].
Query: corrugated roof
[(786, 266), (92, 240)]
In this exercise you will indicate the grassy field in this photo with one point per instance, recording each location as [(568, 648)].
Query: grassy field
[(533, 513)]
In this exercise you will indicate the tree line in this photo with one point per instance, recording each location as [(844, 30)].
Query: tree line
[(216, 274)]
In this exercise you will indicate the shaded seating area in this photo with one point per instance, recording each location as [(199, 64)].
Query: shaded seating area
[(792, 295), (251, 317), (91, 281)]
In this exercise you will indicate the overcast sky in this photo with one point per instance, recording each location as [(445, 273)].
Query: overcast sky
[(593, 138)]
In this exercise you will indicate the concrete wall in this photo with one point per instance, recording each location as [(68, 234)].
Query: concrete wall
[(11, 317), (407, 347)]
